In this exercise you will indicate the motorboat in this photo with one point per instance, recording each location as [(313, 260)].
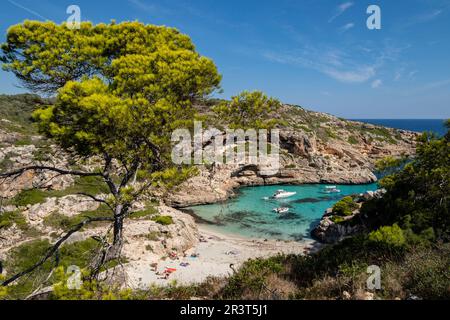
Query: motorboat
[(280, 194), (281, 210), (332, 189)]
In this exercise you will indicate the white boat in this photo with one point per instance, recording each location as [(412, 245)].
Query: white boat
[(280, 194), (281, 210), (332, 189)]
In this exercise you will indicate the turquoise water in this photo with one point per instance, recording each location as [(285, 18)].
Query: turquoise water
[(250, 216)]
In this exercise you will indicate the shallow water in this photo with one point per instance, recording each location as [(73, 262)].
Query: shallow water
[(250, 216)]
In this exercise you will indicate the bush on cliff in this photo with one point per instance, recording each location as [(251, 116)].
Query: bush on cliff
[(388, 236), (249, 110), (345, 207), (163, 220)]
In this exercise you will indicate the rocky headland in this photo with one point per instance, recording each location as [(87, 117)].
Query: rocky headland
[(333, 227)]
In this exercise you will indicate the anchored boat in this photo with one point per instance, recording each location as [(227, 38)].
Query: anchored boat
[(281, 210), (332, 189), (280, 194)]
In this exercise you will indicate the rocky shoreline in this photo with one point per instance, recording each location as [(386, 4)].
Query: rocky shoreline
[(331, 231)]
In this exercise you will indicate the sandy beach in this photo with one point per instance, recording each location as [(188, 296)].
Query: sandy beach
[(212, 256)]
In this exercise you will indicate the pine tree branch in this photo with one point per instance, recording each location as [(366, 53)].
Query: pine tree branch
[(20, 171)]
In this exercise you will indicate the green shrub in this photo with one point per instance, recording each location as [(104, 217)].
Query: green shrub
[(427, 272), (153, 236), (26, 255), (7, 219), (60, 221), (337, 219), (352, 140), (6, 163), (384, 134), (23, 141), (78, 253), (388, 236), (251, 277), (345, 207), (29, 197), (331, 134), (91, 185), (57, 221), (163, 220), (18, 109), (144, 214), (43, 153)]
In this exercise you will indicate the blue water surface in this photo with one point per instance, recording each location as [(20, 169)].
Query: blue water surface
[(250, 215), (418, 125)]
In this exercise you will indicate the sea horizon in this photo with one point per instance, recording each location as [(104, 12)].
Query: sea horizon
[(418, 125)]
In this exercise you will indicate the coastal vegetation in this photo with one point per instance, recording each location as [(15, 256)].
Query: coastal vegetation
[(345, 207), (249, 110), (89, 184), (16, 111)]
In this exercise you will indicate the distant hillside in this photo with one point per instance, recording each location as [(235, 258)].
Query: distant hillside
[(15, 111)]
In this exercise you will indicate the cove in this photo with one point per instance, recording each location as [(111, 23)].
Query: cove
[(249, 215)]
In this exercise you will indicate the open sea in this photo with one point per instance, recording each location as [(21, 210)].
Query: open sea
[(420, 125), (250, 215)]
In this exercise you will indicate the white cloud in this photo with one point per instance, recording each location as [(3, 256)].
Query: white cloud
[(341, 9), (358, 75), (377, 83), (346, 27), (335, 65), (357, 64)]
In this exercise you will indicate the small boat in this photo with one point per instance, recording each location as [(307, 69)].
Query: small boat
[(280, 194), (281, 210), (332, 189)]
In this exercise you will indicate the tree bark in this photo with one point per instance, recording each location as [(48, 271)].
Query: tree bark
[(119, 216)]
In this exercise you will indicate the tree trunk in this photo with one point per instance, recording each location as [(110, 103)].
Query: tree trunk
[(118, 223), (113, 251), (116, 247)]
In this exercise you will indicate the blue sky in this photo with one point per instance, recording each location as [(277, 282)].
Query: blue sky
[(315, 53)]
